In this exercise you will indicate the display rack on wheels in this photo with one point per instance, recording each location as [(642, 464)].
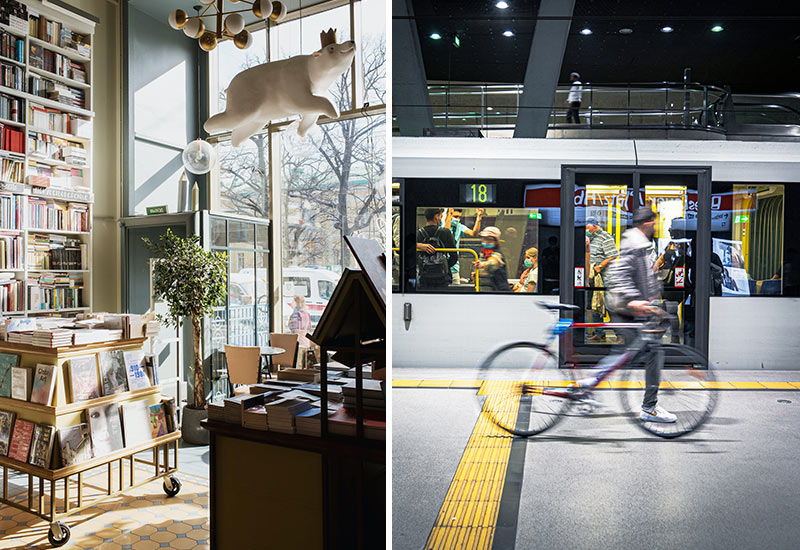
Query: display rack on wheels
[(44, 485)]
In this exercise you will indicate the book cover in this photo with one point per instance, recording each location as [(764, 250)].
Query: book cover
[(158, 420), (83, 380), (112, 372), (76, 445), (44, 383), (137, 375), (136, 422), (6, 427), (42, 445), (105, 428), (21, 440), (171, 412), (7, 362), (21, 381)]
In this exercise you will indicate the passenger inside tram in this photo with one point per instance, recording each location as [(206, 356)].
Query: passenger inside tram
[(530, 275)]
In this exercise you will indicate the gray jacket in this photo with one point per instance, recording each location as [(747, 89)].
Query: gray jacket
[(632, 276)]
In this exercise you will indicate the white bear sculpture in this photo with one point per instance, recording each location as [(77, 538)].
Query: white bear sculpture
[(283, 88)]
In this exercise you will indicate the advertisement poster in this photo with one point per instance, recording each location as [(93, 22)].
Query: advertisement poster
[(734, 274)]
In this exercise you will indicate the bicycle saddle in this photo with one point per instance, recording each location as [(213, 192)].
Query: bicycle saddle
[(558, 307)]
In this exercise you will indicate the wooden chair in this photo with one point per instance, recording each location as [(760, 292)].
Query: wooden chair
[(244, 363), (288, 359)]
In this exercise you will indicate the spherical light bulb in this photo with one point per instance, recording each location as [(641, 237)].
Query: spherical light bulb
[(234, 23), (198, 157), (278, 12), (177, 19), (208, 41), (243, 40), (194, 28), (262, 8)]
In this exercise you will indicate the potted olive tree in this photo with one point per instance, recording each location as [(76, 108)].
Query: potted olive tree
[(191, 281)]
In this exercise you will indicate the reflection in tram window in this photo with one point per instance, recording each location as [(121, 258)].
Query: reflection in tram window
[(395, 248), (496, 249)]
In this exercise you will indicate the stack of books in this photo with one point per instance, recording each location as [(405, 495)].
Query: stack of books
[(372, 394), (255, 418), (74, 155), (216, 412), (21, 337), (52, 338), (95, 335), (152, 329), (235, 406), (334, 391), (281, 413), (343, 422), (310, 422), (302, 375)]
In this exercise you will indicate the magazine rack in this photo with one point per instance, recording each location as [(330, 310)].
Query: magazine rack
[(46, 484)]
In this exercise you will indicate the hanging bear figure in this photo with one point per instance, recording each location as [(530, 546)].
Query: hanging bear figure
[(271, 91)]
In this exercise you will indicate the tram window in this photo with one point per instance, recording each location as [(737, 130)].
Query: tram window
[(526, 242), (395, 248), (747, 240)]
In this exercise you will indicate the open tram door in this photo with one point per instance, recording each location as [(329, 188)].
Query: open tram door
[(597, 207)]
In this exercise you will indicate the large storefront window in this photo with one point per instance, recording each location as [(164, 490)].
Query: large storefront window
[(244, 177), (226, 61)]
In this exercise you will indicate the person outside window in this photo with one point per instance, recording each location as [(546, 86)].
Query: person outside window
[(300, 321), (434, 267), (453, 221), (633, 285), (492, 268), (602, 251), (574, 98), (530, 276)]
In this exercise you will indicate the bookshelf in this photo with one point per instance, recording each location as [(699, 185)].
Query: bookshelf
[(46, 180)]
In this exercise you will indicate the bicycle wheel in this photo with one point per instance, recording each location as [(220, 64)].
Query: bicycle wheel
[(522, 390), (687, 390)]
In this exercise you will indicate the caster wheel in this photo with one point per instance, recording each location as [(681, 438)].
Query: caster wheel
[(172, 486), (58, 534)]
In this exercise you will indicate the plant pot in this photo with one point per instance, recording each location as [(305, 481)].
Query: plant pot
[(191, 430)]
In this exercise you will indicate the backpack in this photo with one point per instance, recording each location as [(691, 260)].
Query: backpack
[(434, 269), (295, 321)]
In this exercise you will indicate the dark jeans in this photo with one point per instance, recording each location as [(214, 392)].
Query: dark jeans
[(654, 361), (572, 114)]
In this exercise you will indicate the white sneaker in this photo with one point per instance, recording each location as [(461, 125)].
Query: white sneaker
[(586, 382), (657, 414)]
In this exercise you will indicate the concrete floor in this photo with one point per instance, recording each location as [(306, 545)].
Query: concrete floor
[(599, 482)]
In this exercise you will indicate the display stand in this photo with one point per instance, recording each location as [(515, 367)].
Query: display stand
[(44, 502)]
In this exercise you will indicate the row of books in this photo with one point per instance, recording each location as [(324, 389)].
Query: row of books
[(62, 177), (12, 139), (45, 118), (50, 214), (12, 170), (52, 62), (44, 87), (12, 295), (108, 428), (12, 47), (54, 148), (54, 32), (56, 252), (11, 108), (11, 251), (41, 298), (12, 76), (10, 210)]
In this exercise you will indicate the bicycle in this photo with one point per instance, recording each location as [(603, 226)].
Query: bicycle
[(539, 393)]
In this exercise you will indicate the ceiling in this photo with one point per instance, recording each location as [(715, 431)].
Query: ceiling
[(160, 9), (758, 50)]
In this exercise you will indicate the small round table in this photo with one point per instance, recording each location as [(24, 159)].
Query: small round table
[(267, 352)]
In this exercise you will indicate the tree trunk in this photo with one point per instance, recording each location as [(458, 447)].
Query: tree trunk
[(199, 387)]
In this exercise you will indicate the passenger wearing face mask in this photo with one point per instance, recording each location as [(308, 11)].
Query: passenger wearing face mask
[(492, 265), (530, 276), (453, 221)]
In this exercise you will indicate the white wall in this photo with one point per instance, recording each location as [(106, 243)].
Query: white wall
[(754, 333)]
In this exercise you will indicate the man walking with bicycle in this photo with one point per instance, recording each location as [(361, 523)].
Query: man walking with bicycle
[(633, 285)]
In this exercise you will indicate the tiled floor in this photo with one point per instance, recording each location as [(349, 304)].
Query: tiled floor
[(141, 519)]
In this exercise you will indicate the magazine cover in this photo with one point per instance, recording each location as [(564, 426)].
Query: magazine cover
[(83, 378), (6, 425), (21, 440), (112, 372), (7, 362), (136, 422), (76, 446), (44, 382), (158, 420), (137, 375), (106, 429), (42, 445)]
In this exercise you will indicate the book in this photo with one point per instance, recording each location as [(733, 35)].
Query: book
[(113, 372), (238, 403), (21, 440), (151, 368), (136, 422), (105, 429), (343, 422), (21, 382), (6, 427), (83, 381), (44, 382), (76, 444), (171, 412), (135, 371), (158, 420), (7, 362), (42, 445)]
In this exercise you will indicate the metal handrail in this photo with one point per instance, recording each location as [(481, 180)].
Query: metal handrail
[(477, 275)]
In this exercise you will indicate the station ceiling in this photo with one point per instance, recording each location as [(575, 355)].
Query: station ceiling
[(757, 50)]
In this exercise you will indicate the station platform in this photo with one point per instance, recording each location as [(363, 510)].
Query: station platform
[(594, 481)]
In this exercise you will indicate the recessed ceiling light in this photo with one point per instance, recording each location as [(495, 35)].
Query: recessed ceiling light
[(502, 5), (586, 32), (716, 28), (626, 30), (490, 108), (436, 36), (508, 33), (666, 29)]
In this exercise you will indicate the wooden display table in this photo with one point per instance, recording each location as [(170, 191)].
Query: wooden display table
[(43, 483)]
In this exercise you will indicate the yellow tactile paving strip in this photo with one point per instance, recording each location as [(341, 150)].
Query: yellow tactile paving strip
[(468, 515), (141, 519), (609, 384)]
